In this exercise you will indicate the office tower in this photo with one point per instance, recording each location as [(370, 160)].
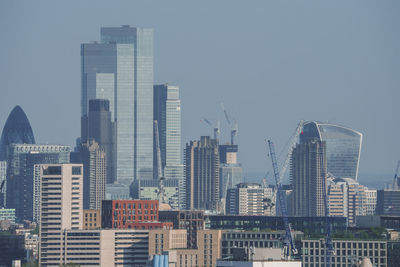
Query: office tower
[(308, 177), (120, 69), (22, 187), (343, 147), (346, 198), (250, 199), (202, 174), (3, 183), (167, 113), (60, 209), (97, 125), (388, 202), (17, 130), (94, 161)]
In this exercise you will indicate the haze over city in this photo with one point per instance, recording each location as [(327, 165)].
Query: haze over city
[(272, 63)]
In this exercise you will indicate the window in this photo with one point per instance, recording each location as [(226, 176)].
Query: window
[(52, 170), (76, 170)]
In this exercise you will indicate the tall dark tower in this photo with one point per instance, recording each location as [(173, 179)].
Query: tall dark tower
[(97, 125), (17, 130)]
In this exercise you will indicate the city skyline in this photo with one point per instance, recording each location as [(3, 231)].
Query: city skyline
[(342, 84)]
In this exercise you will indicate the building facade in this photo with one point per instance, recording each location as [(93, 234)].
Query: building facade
[(22, 183), (202, 174), (3, 183), (347, 253), (97, 125), (91, 219), (308, 177), (7, 214), (61, 202), (343, 147), (120, 69), (388, 202), (370, 201)]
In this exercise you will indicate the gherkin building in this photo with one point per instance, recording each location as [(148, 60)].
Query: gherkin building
[(17, 130)]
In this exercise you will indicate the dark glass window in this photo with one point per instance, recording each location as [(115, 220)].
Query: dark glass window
[(76, 170), (52, 170)]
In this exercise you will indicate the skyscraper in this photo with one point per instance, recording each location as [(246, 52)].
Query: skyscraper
[(21, 185), (120, 69), (343, 147), (3, 183), (17, 130), (202, 174), (167, 113), (94, 174), (230, 171), (97, 125), (308, 176)]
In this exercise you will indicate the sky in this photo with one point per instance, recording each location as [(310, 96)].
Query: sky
[(272, 63)]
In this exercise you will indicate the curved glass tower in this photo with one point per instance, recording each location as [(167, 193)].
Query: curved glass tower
[(343, 146), (17, 130)]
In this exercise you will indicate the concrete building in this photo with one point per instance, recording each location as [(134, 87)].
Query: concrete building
[(207, 251), (190, 220), (249, 199), (343, 147), (347, 252), (120, 69), (257, 263), (346, 198), (94, 161), (97, 125), (22, 182), (202, 174), (7, 214), (388, 202), (308, 177), (3, 183), (60, 209), (91, 219)]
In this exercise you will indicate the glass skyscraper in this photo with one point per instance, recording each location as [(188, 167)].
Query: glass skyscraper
[(120, 69), (343, 147)]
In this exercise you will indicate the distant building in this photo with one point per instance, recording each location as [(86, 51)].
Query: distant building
[(388, 202), (370, 201), (190, 220), (343, 147), (12, 247), (256, 263), (60, 209), (17, 130), (120, 69), (347, 198), (202, 174), (308, 176), (94, 161), (117, 191), (230, 172), (97, 125), (91, 219), (347, 252), (7, 214), (148, 190), (249, 199), (22, 184)]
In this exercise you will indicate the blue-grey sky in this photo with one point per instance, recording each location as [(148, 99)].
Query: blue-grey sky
[(272, 63)]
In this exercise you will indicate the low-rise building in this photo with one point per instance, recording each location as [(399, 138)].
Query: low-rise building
[(347, 253), (91, 219), (7, 214)]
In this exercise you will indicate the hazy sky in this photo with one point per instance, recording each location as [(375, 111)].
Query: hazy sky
[(272, 63)]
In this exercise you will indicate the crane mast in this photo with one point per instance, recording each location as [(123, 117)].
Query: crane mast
[(288, 241), (233, 126), (216, 128), (160, 176), (395, 180)]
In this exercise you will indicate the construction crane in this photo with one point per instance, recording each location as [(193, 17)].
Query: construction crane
[(395, 180), (233, 126), (160, 176), (329, 251), (216, 127), (288, 243), (291, 144)]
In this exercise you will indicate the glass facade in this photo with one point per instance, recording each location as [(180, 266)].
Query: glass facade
[(343, 147), (120, 69)]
